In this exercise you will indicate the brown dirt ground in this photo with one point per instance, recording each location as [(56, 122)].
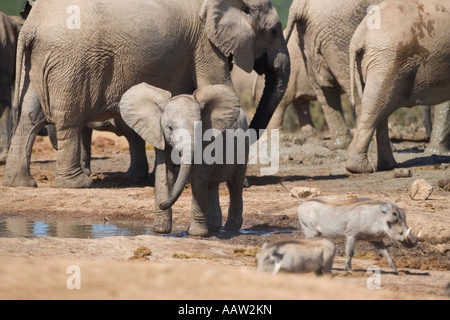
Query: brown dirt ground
[(221, 266)]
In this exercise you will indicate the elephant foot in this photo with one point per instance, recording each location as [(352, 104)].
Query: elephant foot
[(78, 181), (19, 180), (234, 224), (384, 165), (198, 229), (340, 143), (162, 225), (358, 164)]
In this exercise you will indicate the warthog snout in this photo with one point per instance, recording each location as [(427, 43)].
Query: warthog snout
[(410, 240)]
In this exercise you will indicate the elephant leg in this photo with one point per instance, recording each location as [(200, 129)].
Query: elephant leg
[(235, 188), (138, 158), (5, 120), (440, 137), (330, 99), (163, 220), (69, 173), (32, 120), (214, 211), (276, 123), (302, 110), (85, 149), (427, 123), (199, 206), (386, 159), (5, 132), (357, 159)]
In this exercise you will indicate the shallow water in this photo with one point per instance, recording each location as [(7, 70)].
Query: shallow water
[(18, 228), (27, 228)]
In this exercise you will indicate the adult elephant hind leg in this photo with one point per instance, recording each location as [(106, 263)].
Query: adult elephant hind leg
[(440, 136), (357, 153), (5, 128), (386, 159), (69, 173), (330, 98), (17, 170)]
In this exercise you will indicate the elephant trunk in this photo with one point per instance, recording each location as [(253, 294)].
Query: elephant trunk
[(277, 78), (183, 176)]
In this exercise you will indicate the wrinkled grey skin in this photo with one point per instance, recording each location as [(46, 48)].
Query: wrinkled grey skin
[(325, 29), (9, 32), (312, 255), (356, 220), (139, 167), (158, 118), (403, 64), (440, 135), (121, 44)]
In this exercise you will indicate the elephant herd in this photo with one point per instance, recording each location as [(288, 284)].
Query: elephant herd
[(150, 68)]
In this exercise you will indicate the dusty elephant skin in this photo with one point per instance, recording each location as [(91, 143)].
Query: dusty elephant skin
[(162, 120), (9, 32), (410, 68), (313, 255), (107, 58), (356, 219), (325, 29)]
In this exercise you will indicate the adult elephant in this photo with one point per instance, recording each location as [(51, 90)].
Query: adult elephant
[(411, 67), (79, 64), (325, 29), (9, 32)]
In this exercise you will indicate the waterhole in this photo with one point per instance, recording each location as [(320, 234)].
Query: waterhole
[(27, 228)]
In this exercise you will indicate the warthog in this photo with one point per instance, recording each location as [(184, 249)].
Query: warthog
[(312, 255), (357, 219)]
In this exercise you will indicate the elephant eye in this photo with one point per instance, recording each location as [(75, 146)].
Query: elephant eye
[(246, 10), (170, 128)]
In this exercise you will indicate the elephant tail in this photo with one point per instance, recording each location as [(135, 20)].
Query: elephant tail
[(297, 12), (20, 64), (356, 79)]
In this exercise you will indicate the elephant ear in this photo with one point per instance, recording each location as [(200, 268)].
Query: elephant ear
[(220, 106), (228, 25), (141, 108)]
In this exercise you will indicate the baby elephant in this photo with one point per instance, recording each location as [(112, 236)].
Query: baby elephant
[(198, 138), (312, 255), (356, 219)]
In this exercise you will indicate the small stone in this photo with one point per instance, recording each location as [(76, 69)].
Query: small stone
[(306, 193), (141, 253), (402, 173), (444, 184), (420, 190)]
